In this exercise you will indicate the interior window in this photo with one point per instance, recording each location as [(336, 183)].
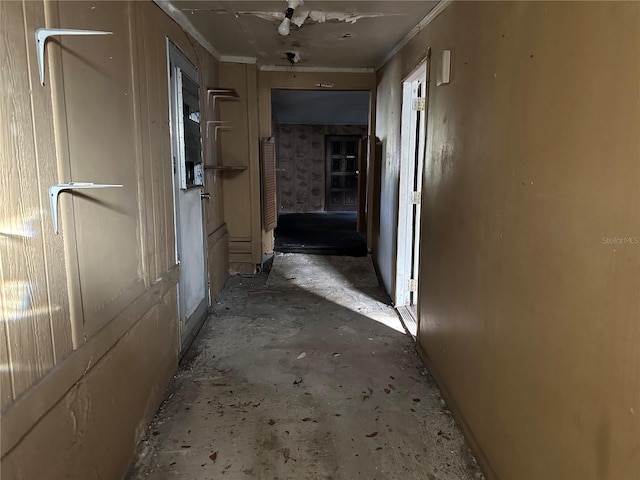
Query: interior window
[(192, 136)]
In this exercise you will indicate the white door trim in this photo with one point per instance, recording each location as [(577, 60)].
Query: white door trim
[(412, 143)]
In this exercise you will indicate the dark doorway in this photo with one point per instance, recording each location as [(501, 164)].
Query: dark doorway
[(342, 173), (318, 136)]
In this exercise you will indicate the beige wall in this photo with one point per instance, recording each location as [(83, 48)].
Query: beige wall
[(94, 429), (98, 301), (389, 108), (34, 318), (529, 320), (240, 147)]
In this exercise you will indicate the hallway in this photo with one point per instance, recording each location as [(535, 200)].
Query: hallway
[(304, 374), (145, 162)]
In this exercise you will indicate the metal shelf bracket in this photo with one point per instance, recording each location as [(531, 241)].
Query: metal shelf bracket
[(54, 192), (214, 93), (218, 125), (41, 39)]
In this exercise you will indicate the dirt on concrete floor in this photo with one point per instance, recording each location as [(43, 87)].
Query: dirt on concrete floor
[(304, 374)]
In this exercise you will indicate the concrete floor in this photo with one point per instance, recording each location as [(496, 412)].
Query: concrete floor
[(306, 374)]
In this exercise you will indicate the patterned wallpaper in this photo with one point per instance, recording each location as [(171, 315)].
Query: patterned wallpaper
[(301, 164)]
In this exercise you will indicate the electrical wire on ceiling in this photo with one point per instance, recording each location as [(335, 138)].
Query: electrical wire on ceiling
[(283, 28)]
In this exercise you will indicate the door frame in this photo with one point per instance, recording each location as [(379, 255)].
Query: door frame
[(268, 129), (413, 142), (362, 176), (188, 327)]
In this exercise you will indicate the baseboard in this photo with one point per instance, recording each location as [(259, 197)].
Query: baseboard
[(190, 335), (242, 268), (477, 451)]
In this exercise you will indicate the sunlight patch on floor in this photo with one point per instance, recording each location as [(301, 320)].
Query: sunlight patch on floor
[(349, 282)]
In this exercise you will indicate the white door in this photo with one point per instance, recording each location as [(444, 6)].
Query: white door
[(412, 156), (188, 180)]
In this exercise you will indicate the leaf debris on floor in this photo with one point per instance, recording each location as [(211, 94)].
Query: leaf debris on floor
[(239, 394)]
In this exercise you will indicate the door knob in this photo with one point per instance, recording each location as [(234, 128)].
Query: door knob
[(206, 195)]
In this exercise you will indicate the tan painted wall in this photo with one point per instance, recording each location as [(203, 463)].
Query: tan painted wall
[(35, 332), (214, 211), (530, 321), (239, 146), (98, 300), (388, 113), (89, 433)]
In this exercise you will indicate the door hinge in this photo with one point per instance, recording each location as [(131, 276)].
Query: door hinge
[(419, 104), (413, 285), (416, 197)]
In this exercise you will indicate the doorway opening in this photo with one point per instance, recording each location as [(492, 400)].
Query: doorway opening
[(321, 152), (412, 158), (188, 184)]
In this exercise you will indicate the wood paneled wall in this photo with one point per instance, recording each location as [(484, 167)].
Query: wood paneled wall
[(34, 309), (105, 102), (240, 147)]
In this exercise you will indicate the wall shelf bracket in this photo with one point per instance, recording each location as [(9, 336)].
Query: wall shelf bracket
[(54, 192), (218, 125), (215, 93), (41, 39)]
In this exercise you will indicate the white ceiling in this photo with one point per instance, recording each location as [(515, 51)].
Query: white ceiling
[(247, 30), (305, 107)]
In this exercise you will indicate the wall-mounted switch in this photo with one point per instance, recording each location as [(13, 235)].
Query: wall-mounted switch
[(444, 68)]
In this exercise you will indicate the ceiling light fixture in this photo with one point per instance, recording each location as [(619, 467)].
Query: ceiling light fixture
[(283, 29)]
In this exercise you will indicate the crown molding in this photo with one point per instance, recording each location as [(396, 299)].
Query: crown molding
[(285, 68), (237, 59), (182, 20), (435, 11)]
